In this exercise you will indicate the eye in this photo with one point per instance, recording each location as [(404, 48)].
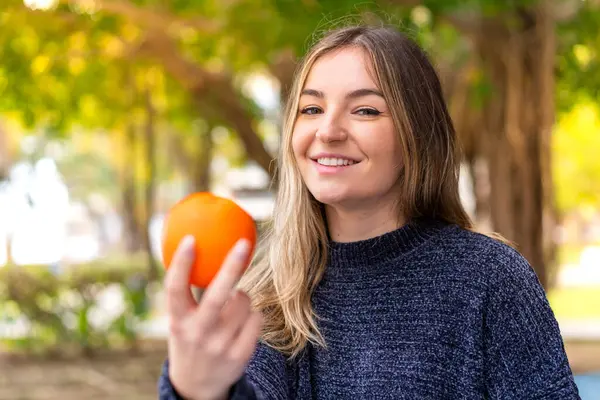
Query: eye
[(369, 112), (312, 110)]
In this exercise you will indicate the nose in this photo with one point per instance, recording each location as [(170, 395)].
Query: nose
[(331, 130)]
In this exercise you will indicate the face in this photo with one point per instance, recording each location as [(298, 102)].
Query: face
[(344, 138)]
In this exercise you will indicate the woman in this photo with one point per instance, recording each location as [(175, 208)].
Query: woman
[(372, 283)]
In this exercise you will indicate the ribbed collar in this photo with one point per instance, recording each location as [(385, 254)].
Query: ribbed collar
[(385, 247)]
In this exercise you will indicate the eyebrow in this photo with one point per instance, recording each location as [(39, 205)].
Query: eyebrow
[(352, 95)]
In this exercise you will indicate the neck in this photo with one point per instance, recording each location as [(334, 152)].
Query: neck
[(351, 225)]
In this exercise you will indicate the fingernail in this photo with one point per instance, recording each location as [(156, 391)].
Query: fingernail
[(187, 244), (241, 248)]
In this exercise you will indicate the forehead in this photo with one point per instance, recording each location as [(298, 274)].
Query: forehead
[(341, 69)]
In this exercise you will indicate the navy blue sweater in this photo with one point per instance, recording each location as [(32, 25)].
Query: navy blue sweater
[(429, 311)]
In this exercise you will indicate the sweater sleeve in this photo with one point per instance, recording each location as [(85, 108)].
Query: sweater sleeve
[(265, 379), (524, 350)]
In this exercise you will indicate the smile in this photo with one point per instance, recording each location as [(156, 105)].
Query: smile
[(333, 165), (335, 162)]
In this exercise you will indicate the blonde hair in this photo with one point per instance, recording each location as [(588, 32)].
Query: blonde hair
[(293, 255)]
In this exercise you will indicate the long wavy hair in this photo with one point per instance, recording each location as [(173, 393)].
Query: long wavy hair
[(293, 253)]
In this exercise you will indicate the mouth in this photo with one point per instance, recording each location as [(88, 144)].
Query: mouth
[(335, 161)]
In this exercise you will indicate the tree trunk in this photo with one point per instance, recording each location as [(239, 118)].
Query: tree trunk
[(133, 239), (150, 181), (481, 191), (457, 83), (5, 154), (518, 120), (8, 249), (201, 177), (194, 164)]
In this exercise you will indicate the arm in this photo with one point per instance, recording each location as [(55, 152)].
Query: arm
[(524, 351), (265, 379)]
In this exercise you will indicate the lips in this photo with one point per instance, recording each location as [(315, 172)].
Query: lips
[(334, 162)]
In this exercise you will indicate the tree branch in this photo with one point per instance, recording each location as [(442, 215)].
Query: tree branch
[(202, 84), (161, 27), (150, 18), (283, 67)]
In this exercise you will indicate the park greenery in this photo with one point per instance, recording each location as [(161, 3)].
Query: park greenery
[(65, 315), (148, 92)]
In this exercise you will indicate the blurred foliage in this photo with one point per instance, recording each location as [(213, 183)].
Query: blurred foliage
[(576, 166), (79, 62), (61, 310), (578, 62), (77, 66), (80, 72)]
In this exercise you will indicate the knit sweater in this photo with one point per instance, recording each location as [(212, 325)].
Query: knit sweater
[(428, 311)]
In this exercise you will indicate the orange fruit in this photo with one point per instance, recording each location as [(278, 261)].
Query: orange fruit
[(216, 223)]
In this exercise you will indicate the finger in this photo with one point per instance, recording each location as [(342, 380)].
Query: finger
[(234, 316), (245, 343), (219, 291), (179, 296)]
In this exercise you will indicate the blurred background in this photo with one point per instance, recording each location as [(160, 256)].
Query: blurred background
[(112, 110)]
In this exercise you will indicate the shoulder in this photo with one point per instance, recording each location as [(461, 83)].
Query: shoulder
[(485, 258), (478, 245)]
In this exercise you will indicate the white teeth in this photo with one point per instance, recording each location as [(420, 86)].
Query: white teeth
[(335, 161)]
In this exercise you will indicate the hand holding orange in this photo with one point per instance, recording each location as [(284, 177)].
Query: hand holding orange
[(216, 223), (210, 341)]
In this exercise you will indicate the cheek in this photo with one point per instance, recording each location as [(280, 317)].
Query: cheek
[(393, 162), (296, 147), (301, 141), (393, 157), (381, 144), (384, 152)]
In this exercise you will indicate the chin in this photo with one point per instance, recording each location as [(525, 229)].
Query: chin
[(330, 197)]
